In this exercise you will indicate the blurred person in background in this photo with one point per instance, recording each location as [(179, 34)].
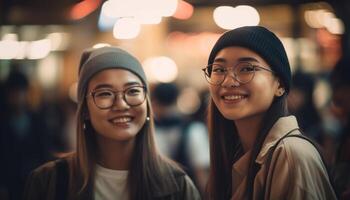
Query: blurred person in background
[(340, 82), (257, 150), (179, 137), (302, 105), (116, 156), (24, 143), (54, 117), (69, 130)]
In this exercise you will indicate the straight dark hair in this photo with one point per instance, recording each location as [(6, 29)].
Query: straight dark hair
[(225, 148)]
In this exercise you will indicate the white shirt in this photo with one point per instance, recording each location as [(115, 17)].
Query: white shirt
[(110, 184)]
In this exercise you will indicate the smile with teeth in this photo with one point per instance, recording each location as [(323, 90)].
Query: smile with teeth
[(233, 97), (122, 120)]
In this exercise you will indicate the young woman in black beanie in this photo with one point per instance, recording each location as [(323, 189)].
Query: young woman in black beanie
[(116, 156), (257, 150)]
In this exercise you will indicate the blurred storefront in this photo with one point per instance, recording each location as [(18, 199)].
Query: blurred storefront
[(47, 37)]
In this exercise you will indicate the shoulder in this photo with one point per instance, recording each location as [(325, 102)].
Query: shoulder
[(168, 167), (298, 164), (40, 182), (45, 170), (178, 183), (187, 189), (300, 161), (299, 152)]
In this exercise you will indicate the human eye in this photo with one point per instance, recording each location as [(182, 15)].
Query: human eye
[(133, 91), (103, 94), (245, 68), (218, 69)]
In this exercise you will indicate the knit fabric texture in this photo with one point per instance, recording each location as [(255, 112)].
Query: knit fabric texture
[(263, 42), (95, 60)]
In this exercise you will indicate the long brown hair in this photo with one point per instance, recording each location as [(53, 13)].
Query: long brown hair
[(225, 148), (147, 170)]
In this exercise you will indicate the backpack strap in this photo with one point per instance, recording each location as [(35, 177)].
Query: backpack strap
[(271, 151), (61, 179)]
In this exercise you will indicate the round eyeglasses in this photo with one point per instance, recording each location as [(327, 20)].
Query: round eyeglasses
[(105, 98), (243, 72)]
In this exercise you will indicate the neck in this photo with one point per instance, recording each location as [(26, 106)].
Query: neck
[(115, 154), (248, 130)]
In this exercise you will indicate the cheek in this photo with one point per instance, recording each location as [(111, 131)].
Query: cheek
[(214, 93), (141, 114), (92, 110), (264, 93), (94, 115)]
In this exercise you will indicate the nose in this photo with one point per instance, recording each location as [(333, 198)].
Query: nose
[(119, 102), (230, 79)]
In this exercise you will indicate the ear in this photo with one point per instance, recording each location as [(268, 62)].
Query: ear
[(280, 92), (280, 89)]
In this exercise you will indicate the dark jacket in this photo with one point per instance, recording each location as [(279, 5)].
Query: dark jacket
[(41, 185)]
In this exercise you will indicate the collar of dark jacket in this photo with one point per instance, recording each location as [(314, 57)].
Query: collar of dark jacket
[(171, 184)]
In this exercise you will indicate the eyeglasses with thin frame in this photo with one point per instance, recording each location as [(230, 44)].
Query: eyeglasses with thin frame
[(105, 98), (243, 72)]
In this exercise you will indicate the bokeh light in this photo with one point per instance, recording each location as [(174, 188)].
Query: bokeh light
[(160, 69), (126, 28)]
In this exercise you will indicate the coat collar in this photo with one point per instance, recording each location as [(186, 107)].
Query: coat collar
[(282, 126)]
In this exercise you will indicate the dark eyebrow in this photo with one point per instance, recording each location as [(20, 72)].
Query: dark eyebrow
[(99, 86), (134, 83), (221, 60), (128, 84), (241, 59), (247, 59)]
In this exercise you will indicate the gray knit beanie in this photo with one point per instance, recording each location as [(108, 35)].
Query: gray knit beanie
[(263, 42), (95, 60)]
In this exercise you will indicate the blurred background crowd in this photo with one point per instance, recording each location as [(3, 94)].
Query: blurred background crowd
[(41, 42)]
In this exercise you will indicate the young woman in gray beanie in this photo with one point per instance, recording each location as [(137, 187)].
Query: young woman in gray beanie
[(116, 157), (257, 150)]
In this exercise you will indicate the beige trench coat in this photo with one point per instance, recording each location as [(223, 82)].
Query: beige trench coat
[(297, 168)]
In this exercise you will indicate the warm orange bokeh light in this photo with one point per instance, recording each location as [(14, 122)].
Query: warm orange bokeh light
[(83, 9), (184, 10)]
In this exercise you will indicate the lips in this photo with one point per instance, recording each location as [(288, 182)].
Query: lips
[(233, 97), (121, 120)]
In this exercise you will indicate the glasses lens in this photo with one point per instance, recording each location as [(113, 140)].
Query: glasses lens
[(135, 96), (215, 74), (104, 98), (244, 72)]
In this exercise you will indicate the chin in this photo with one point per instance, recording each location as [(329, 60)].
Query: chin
[(119, 135), (125, 135), (233, 117), (238, 115), (122, 137), (232, 114)]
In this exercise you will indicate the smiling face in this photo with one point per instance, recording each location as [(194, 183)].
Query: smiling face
[(120, 122), (237, 101)]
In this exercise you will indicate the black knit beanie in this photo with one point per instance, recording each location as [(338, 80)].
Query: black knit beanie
[(263, 42), (95, 60)]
